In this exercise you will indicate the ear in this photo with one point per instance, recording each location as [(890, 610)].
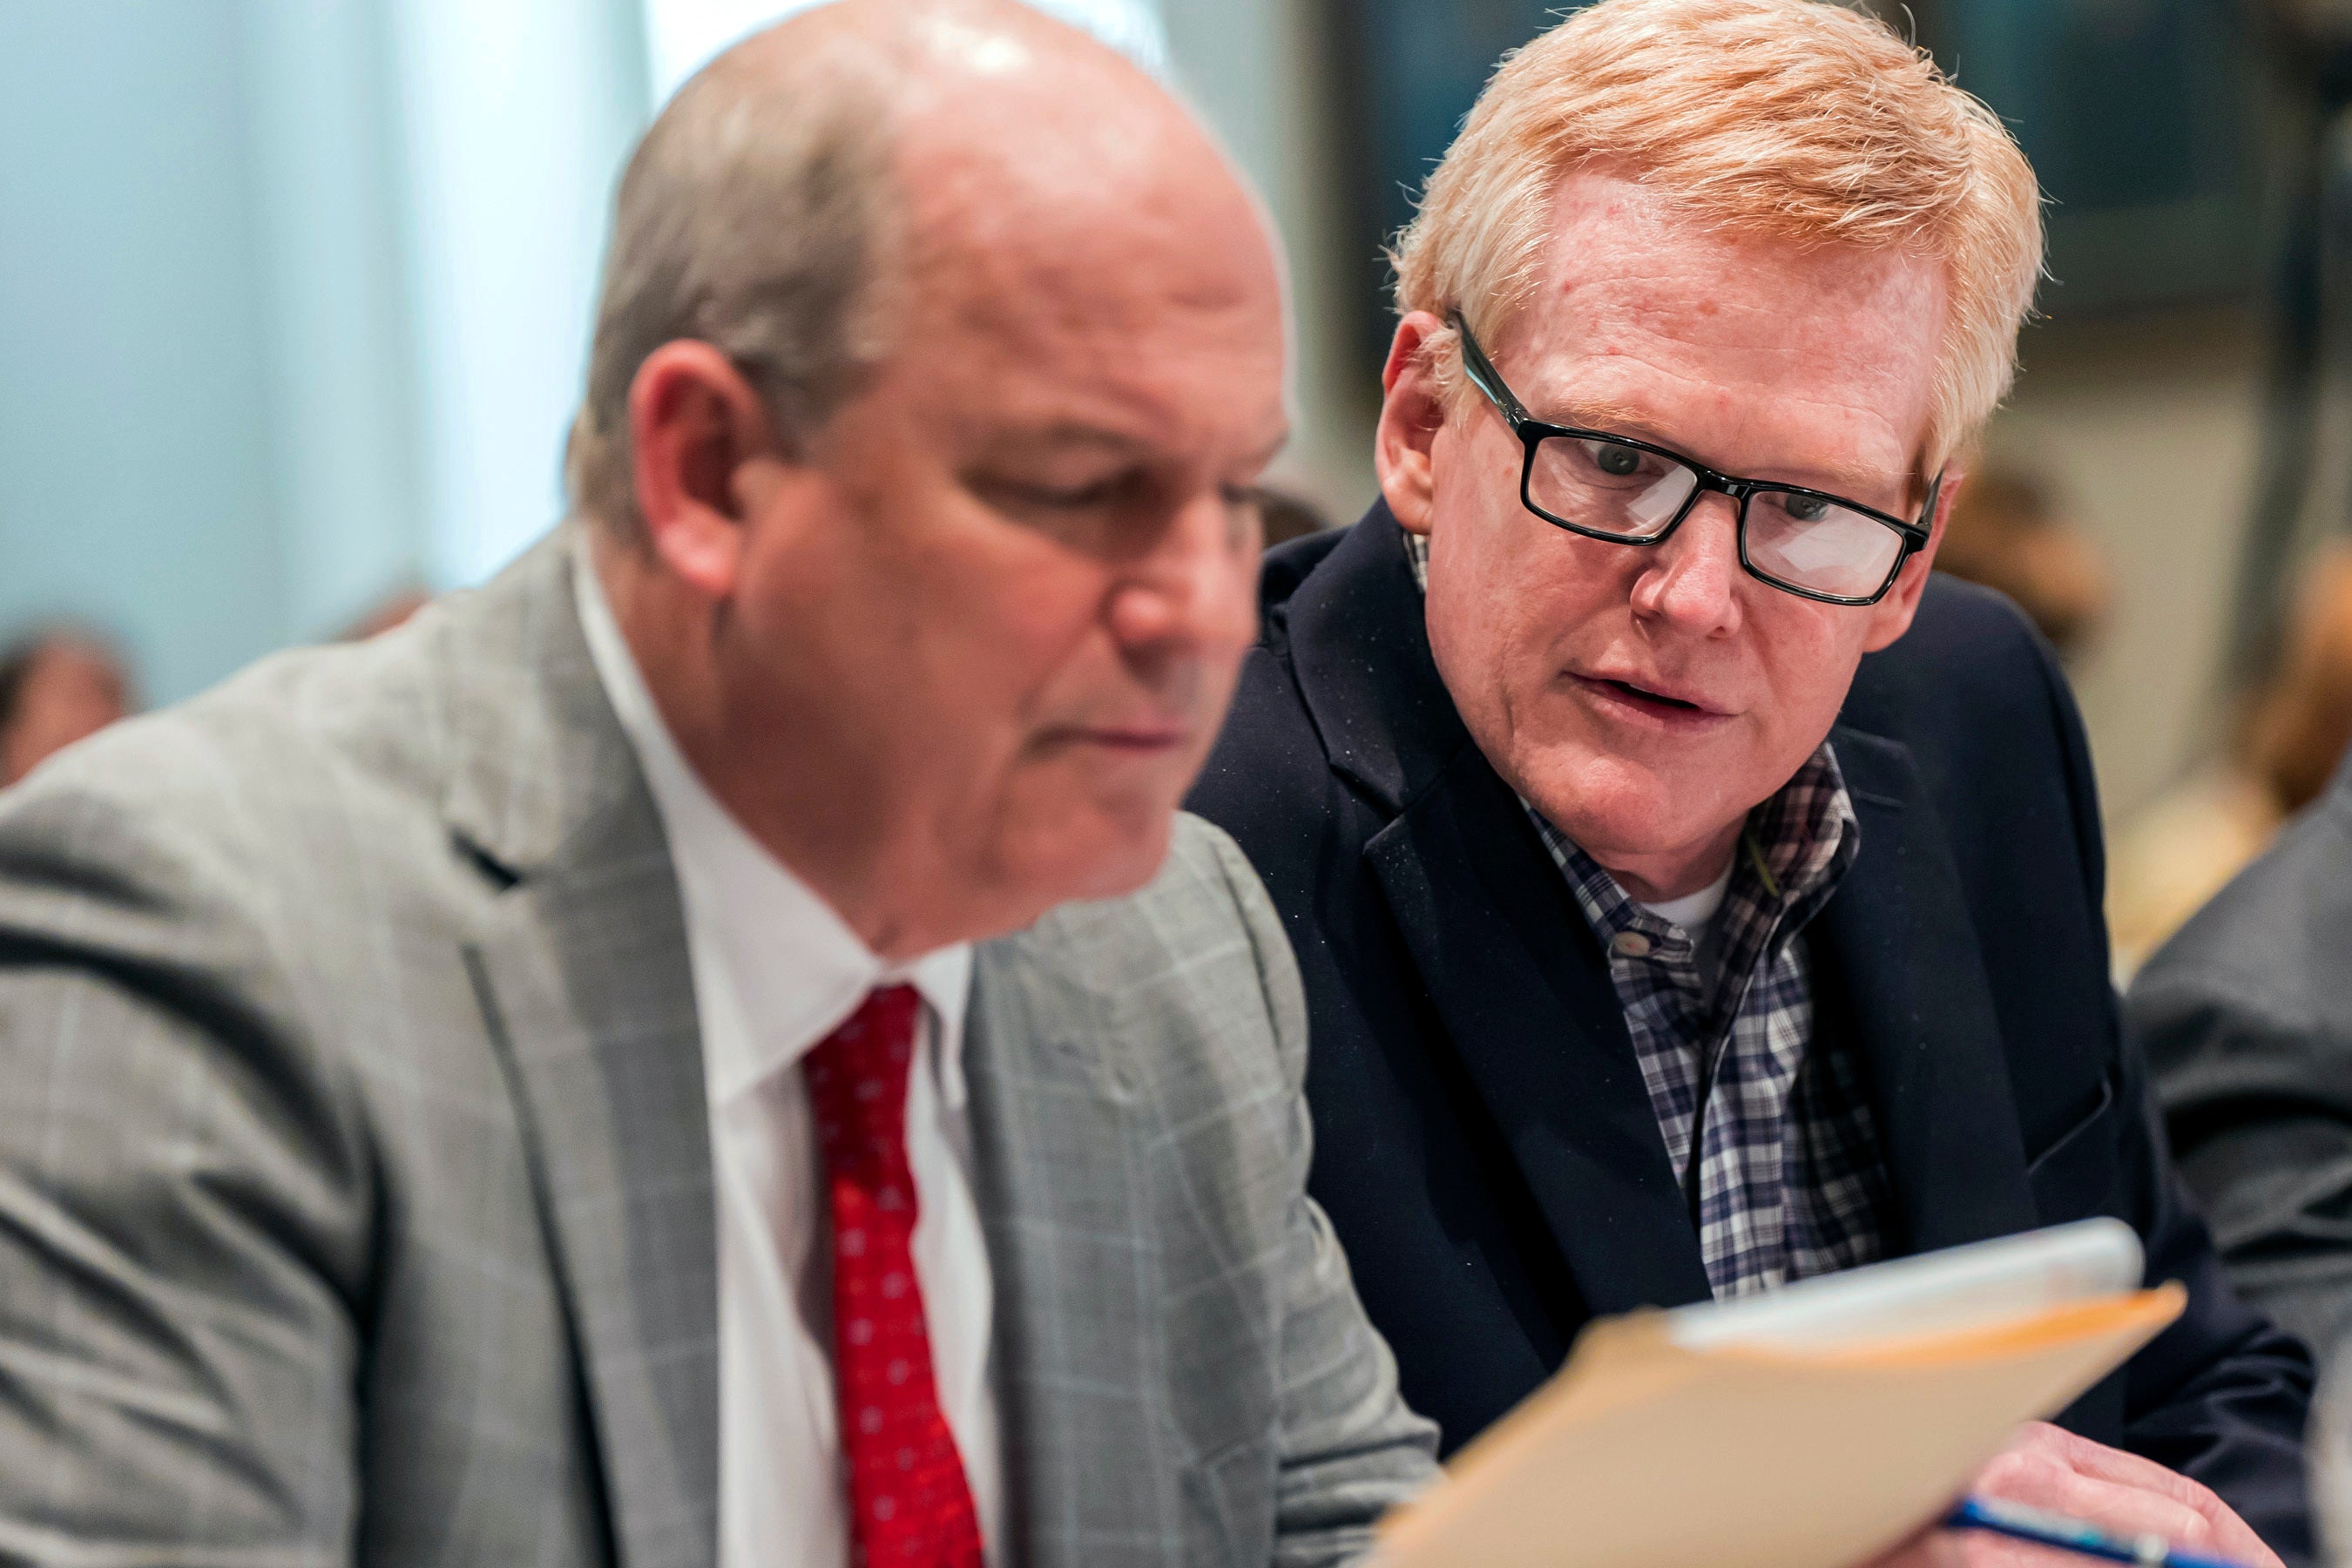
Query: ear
[(694, 424), (1891, 616), (1411, 414)]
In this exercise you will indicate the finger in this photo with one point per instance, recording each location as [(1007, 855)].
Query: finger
[(2224, 1531), (2115, 1465), (2039, 1481)]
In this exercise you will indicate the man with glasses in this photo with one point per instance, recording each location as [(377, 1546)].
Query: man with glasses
[(1671, 930)]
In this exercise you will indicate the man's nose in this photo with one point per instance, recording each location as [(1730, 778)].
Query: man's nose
[(1195, 593), (1691, 582)]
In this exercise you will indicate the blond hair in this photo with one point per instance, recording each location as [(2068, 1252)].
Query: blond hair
[(1790, 118)]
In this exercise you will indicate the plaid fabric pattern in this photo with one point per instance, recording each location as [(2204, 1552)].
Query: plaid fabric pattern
[(1791, 1182)]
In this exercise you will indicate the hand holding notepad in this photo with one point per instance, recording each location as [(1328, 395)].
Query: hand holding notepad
[(1813, 1428)]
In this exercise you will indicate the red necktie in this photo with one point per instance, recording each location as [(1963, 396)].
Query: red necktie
[(909, 1503)]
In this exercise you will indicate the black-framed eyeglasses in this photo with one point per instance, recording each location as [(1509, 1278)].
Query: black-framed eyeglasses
[(1628, 491)]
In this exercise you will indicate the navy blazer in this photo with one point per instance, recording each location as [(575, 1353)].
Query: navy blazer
[(1484, 1144)]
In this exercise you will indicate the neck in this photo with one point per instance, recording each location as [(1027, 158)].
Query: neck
[(855, 845), (1664, 876)]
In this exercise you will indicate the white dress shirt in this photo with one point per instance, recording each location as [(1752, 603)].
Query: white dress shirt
[(775, 971)]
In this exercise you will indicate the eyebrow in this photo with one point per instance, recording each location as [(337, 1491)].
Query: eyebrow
[(1066, 434)]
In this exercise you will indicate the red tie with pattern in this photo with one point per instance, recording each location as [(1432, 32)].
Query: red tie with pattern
[(909, 1503)]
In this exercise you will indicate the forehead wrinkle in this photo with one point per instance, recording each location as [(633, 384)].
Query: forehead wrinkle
[(1755, 331)]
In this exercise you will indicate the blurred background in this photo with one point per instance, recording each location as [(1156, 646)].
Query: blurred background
[(295, 295)]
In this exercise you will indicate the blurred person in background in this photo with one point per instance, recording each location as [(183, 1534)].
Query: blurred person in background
[(2007, 533), (1693, 892), (57, 686), (2247, 1012), (718, 1046), (2287, 737)]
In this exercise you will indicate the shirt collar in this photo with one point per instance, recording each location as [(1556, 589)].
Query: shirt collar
[(794, 968), (1793, 851)]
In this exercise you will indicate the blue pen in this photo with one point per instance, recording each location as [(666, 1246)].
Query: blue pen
[(2073, 1535)]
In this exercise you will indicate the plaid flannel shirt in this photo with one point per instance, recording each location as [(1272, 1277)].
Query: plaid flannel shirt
[(1790, 1179)]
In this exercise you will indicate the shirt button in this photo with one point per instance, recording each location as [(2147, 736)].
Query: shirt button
[(1629, 945)]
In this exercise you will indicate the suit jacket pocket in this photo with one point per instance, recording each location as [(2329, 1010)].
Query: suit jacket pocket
[(2074, 1175)]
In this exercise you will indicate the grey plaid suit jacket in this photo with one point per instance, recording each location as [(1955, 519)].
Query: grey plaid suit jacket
[(355, 1188)]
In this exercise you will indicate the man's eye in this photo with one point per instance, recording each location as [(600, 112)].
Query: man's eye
[(1074, 496), (1034, 495), (1610, 460), (1805, 509)]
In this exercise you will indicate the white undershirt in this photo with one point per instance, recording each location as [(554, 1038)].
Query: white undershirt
[(775, 971), (1694, 911)]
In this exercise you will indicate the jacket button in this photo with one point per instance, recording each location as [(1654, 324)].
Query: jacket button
[(1629, 945)]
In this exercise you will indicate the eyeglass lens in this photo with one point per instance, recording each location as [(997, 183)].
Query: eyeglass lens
[(1626, 492)]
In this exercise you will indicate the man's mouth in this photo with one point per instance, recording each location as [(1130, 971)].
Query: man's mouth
[(1630, 690), (1647, 700), (1141, 738)]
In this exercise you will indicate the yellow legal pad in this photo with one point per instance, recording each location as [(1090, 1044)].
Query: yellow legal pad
[(1813, 1428)]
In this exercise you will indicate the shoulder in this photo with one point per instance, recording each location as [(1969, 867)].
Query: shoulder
[(242, 859), (2264, 959), (1268, 750), (1979, 700), (1204, 905), (1268, 727), (1970, 662), (249, 776), (1290, 563), (195, 910), (1197, 955)]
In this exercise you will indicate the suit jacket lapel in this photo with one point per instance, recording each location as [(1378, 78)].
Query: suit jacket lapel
[(584, 978), (1895, 952), (1522, 989), (1517, 977), (1056, 1161)]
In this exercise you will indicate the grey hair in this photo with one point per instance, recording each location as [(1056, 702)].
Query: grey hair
[(756, 216)]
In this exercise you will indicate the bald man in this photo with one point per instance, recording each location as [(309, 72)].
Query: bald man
[(618, 1070)]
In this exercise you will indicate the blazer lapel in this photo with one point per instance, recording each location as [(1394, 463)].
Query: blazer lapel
[(1524, 991), (1517, 977), (1089, 1457), (584, 982), (1898, 965)]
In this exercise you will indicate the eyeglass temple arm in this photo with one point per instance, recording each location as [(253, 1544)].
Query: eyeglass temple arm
[(1926, 523), (1483, 373)]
